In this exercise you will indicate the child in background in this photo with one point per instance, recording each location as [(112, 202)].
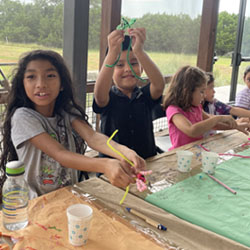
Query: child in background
[(215, 107), (40, 120), (125, 106), (243, 97), (187, 121)]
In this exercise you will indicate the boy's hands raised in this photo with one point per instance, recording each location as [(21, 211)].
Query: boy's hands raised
[(115, 39), (139, 37)]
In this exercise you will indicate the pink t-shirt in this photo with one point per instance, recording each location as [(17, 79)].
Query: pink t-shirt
[(177, 137)]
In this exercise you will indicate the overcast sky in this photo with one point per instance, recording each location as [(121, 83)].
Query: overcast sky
[(137, 8)]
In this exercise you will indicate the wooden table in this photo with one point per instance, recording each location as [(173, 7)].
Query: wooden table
[(179, 235), (165, 174), (112, 226), (164, 166)]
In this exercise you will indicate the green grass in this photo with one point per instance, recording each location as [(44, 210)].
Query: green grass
[(167, 62), (170, 62), (222, 71), (10, 53)]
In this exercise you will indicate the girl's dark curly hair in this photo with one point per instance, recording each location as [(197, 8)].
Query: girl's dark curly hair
[(183, 84), (17, 98)]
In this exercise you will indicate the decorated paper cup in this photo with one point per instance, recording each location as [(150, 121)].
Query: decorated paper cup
[(79, 218), (209, 162), (184, 158)]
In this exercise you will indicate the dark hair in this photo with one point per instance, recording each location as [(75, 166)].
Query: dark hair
[(182, 85), (125, 44), (247, 70), (210, 77), (17, 98)]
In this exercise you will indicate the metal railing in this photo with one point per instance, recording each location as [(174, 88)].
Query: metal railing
[(159, 124)]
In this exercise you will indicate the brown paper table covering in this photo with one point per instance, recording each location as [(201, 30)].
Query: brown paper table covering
[(47, 227)]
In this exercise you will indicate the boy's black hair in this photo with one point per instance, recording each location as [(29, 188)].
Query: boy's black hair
[(247, 70), (125, 44), (210, 77)]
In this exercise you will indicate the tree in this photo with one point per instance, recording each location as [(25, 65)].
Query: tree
[(170, 33), (38, 22), (41, 22), (226, 32), (51, 25), (245, 49), (11, 16), (94, 24)]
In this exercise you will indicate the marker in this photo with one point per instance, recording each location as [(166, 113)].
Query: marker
[(148, 220), (222, 184)]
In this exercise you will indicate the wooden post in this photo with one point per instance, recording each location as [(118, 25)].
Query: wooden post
[(207, 34), (111, 17), (75, 44)]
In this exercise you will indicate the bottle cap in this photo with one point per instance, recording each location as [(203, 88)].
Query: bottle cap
[(14, 168)]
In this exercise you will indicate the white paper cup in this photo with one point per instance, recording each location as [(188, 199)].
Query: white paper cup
[(79, 218), (184, 159), (209, 162)]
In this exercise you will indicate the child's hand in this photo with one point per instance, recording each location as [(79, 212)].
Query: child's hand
[(119, 173), (139, 163), (243, 119), (229, 120), (115, 39), (139, 37), (243, 127)]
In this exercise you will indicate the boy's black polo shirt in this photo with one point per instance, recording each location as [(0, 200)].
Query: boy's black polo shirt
[(132, 117)]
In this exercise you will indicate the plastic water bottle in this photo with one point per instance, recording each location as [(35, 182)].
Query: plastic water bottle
[(15, 197)]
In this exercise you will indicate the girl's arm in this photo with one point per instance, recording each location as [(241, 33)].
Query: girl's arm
[(119, 173), (98, 142), (155, 77), (104, 79), (208, 123)]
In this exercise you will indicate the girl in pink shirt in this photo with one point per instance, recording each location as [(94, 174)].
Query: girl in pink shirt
[(187, 121)]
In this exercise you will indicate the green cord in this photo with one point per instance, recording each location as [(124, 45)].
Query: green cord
[(131, 67), (116, 61), (124, 25)]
